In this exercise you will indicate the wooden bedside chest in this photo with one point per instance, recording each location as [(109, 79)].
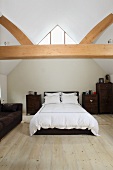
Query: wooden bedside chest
[(33, 104), (90, 103)]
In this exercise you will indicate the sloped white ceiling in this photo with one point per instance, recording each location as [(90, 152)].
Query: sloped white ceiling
[(105, 64), (6, 66), (37, 17)]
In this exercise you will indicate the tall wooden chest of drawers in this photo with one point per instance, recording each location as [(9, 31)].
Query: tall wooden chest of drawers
[(105, 97)]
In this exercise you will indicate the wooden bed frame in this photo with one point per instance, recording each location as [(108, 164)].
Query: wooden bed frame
[(56, 131)]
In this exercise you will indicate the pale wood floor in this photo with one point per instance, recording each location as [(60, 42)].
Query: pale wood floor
[(19, 151)]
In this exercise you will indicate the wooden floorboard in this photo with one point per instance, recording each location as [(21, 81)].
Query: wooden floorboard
[(19, 151)]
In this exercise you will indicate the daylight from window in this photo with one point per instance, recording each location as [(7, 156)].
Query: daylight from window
[(57, 36)]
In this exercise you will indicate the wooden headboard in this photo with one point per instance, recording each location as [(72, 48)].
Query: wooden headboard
[(77, 92)]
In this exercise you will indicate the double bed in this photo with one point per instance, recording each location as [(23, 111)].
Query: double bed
[(61, 113)]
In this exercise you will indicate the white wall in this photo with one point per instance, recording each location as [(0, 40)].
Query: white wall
[(3, 88), (52, 75), (111, 78)]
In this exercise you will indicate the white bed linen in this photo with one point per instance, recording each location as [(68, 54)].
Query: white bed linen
[(63, 116)]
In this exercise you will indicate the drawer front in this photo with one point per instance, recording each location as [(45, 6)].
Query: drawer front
[(90, 99), (33, 106), (105, 108), (105, 86), (92, 109), (31, 111), (33, 99), (106, 100)]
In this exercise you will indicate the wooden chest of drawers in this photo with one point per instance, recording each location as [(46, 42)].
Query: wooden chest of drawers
[(90, 103), (33, 104), (105, 94)]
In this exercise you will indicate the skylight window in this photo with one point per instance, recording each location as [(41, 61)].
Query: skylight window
[(45, 40), (56, 36), (68, 40)]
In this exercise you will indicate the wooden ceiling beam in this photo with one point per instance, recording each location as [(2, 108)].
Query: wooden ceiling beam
[(15, 31), (56, 51), (97, 30)]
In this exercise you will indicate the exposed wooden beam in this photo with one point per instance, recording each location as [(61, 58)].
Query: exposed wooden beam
[(97, 30), (56, 51), (15, 31), (29, 51)]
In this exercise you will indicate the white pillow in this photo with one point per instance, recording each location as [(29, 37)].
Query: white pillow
[(52, 99), (70, 94), (70, 99), (53, 94)]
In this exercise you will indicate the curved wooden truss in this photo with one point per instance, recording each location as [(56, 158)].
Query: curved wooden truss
[(83, 50), (15, 31), (97, 30)]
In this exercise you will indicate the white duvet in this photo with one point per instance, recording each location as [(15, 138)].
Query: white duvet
[(63, 116)]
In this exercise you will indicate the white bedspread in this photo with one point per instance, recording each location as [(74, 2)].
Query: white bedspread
[(63, 116)]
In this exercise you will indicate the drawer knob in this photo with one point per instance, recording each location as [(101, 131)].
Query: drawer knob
[(91, 100)]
